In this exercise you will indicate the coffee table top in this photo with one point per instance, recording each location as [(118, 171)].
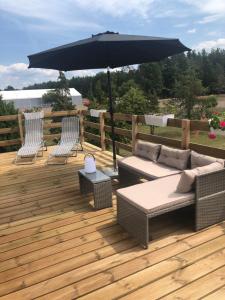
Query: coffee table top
[(96, 177)]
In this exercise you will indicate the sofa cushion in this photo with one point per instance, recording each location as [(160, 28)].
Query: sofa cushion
[(147, 150), (147, 168), (187, 180), (200, 160), (174, 157), (156, 195)]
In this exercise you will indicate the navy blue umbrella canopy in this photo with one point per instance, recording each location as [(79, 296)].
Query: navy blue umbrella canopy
[(106, 50)]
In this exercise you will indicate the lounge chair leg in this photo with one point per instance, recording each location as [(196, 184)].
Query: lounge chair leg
[(45, 146), (145, 246), (74, 153)]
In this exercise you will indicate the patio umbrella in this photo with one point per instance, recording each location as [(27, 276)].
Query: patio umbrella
[(107, 50)]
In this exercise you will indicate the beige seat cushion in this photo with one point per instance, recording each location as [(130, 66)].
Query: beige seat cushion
[(156, 195), (174, 158), (147, 150), (186, 183), (200, 160), (147, 168)]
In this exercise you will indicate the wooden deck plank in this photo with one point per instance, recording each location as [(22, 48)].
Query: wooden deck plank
[(53, 245), (187, 271), (102, 266), (152, 273), (217, 294), (204, 285), (144, 268)]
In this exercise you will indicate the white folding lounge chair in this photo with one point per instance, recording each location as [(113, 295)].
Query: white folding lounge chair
[(33, 144), (34, 115), (69, 143)]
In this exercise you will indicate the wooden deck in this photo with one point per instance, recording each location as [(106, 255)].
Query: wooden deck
[(53, 245)]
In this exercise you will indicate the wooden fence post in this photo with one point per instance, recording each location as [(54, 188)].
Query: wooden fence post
[(81, 126), (134, 131), (102, 130), (20, 124), (186, 134)]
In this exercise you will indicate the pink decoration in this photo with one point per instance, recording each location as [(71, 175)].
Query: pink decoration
[(212, 135)]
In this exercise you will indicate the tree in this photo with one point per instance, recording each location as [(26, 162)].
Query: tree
[(133, 102), (169, 73), (9, 88), (59, 98), (205, 106), (153, 103), (149, 77), (126, 86), (99, 95), (187, 88)]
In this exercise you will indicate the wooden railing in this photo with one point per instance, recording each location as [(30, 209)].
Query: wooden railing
[(102, 129)]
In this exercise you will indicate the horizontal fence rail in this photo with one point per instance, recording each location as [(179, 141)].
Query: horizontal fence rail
[(98, 130)]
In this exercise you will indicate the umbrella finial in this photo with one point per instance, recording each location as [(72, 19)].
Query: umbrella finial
[(106, 32)]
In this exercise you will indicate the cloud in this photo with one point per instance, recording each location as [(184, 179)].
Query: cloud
[(48, 15), (212, 10), (117, 8), (18, 75), (192, 30), (181, 25), (56, 9), (208, 45), (210, 7), (166, 13), (210, 19), (214, 33)]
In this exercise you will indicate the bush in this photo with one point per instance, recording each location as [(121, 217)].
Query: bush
[(8, 109)]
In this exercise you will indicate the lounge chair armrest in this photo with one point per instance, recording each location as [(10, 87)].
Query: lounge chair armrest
[(209, 184)]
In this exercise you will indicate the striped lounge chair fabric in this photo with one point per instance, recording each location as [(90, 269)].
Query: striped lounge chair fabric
[(69, 142), (33, 143)]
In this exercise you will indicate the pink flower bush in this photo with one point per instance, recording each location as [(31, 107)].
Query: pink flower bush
[(222, 124), (216, 123)]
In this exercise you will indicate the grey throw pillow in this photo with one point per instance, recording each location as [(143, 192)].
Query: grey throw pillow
[(174, 157), (147, 150), (200, 160), (187, 179)]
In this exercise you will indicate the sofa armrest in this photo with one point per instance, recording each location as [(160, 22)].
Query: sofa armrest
[(210, 183), (210, 199)]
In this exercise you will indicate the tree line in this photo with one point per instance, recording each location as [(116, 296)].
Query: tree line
[(181, 78), (137, 89)]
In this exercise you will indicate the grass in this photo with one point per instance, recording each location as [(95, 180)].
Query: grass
[(196, 137), (176, 133)]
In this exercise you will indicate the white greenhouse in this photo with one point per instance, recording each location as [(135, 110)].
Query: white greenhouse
[(28, 99)]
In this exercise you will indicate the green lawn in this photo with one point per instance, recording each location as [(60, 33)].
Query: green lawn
[(175, 133)]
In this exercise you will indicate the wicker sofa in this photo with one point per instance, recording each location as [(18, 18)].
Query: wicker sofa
[(137, 203)]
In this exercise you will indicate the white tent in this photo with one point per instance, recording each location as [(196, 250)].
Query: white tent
[(27, 99)]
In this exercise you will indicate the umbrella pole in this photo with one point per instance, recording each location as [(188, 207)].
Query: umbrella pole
[(111, 111)]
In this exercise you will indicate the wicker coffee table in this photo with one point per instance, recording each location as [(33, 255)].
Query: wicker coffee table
[(99, 184)]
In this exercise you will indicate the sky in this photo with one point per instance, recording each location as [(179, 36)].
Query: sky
[(30, 26)]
